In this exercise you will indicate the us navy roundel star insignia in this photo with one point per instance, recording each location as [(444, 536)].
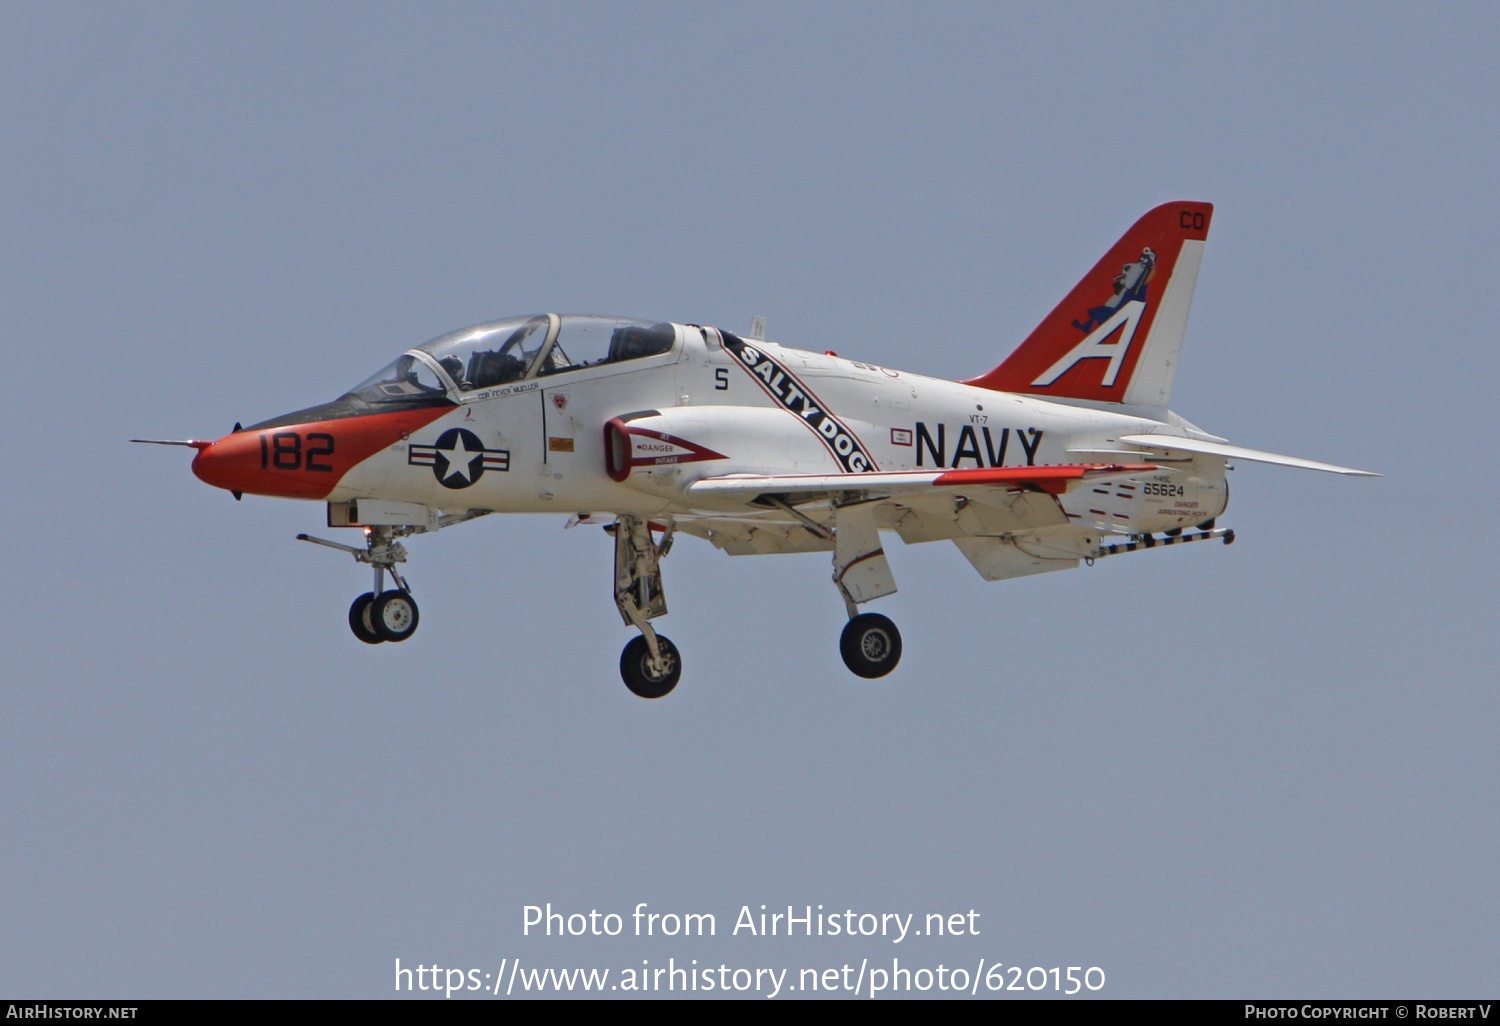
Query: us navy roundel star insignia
[(459, 458)]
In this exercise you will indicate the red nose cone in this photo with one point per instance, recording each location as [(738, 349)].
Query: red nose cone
[(233, 462), (304, 461)]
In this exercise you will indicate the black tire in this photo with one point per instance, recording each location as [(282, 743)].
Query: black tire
[(359, 620), (635, 667), (394, 615), (870, 645)]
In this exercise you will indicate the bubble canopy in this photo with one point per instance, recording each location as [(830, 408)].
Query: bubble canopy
[(497, 353), (490, 354)]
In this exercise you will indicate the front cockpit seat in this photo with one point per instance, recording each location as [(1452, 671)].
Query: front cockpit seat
[(489, 368)]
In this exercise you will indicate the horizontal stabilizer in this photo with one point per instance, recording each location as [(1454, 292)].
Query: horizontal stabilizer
[(1162, 445)]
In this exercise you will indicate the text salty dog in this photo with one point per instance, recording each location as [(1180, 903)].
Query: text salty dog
[(793, 396)]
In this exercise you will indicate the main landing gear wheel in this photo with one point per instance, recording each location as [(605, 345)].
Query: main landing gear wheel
[(870, 645), (359, 620), (638, 673), (393, 614)]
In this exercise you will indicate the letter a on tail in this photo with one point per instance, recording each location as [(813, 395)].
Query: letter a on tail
[(1118, 334)]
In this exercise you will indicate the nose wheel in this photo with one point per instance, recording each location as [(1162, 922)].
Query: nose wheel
[(379, 615), (359, 620), (389, 616), (870, 645), (394, 616)]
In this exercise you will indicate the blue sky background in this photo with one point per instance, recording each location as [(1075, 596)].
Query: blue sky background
[(1267, 770)]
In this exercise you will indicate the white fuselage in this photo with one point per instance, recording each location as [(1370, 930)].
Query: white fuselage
[(767, 411)]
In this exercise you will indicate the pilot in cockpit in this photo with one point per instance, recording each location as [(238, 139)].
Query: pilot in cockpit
[(490, 368)]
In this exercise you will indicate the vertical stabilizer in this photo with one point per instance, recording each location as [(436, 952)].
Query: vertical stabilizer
[(1117, 336)]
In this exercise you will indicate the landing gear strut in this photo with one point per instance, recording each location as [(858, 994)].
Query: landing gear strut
[(650, 664), (380, 615), (870, 643)]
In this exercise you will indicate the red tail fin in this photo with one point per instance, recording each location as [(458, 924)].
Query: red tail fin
[(1117, 335)]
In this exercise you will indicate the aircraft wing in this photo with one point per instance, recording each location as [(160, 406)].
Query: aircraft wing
[(1162, 445), (921, 506), (1054, 479)]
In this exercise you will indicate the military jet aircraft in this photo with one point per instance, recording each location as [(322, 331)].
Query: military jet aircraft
[(1064, 453)]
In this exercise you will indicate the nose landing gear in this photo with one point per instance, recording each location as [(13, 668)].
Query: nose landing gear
[(359, 620), (394, 615), (379, 615)]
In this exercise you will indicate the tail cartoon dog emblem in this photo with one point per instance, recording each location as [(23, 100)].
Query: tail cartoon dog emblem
[(1129, 285)]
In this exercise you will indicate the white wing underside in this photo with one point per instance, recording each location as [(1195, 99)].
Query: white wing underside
[(1004, 530), (916, 519)]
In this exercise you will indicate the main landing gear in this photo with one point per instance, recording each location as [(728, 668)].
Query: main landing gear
[(380, 615), (650, 664), (648, 677), (870, 645)]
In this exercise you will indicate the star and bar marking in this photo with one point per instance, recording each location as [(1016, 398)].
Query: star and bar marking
[(459, 458)]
